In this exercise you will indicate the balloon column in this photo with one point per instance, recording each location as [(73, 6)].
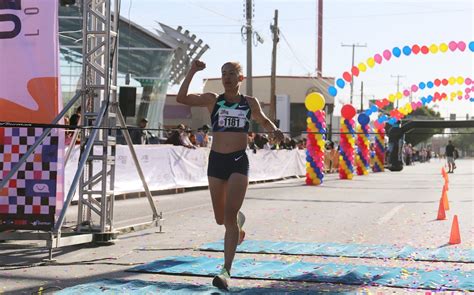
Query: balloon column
[(346, 143), (316, 127), (363, 152), (379, 145)]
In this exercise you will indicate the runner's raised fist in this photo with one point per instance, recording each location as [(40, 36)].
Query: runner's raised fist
[(198, 65)]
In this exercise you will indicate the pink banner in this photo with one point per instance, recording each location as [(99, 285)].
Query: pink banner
[(29, 92)]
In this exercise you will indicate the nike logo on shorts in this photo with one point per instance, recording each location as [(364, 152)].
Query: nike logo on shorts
[(238, 158)]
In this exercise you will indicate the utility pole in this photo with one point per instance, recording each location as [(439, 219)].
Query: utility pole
[(361, 96), (353, 54), (398, 84), (276, 38), (248, 16), (319, 67)]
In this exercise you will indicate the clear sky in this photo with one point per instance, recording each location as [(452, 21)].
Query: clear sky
[(379, 24)]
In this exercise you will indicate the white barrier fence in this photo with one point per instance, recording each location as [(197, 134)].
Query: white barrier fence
[(168, 167)]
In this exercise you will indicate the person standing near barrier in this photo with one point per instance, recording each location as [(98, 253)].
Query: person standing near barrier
[(228, 163)]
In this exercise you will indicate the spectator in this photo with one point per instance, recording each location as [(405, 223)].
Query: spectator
[(180, 137), (75, 119), (140, 135), (450, 156), (202, 138)]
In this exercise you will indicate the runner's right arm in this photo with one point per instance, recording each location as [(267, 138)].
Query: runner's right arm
[(195, 99)]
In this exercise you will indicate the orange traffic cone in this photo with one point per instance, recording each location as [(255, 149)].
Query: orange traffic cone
[(441, 212), (443, 172), (455, 237), (444, 197)]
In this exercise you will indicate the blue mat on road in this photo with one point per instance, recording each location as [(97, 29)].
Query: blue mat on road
[(447, 254), (315, 272), (109, 286)]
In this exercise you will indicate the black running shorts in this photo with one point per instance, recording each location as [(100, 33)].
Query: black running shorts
[(223, 165)]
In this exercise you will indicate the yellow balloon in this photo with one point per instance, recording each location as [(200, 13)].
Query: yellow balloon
[(307, 165), (316, 181), (362, 67), (451, 81), (433, 48), (308, 120), (453, 94), (371, 62), (314, 101), (391, 98), (459, 93), (399, 95), (443, 47), (460, 80)]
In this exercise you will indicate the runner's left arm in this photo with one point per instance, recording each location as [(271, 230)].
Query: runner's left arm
[(262, 119)]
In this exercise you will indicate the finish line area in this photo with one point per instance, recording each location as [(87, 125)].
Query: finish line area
[(351, 213)]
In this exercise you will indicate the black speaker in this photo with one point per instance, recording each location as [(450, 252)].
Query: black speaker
[(128, 101)]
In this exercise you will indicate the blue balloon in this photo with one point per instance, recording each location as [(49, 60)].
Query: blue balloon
[(340, 83), (392, 121), (471, 46), (430, 98), (368, 112), (430, 84), (423, 100), (406, 50), (332, 90), (363, 119), (396, 52), (374, 108), (472, 98), (422, 85)]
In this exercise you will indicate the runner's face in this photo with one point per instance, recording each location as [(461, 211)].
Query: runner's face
[(231, 77)]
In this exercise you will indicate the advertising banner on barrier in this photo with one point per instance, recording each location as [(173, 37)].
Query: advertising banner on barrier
[(29, 92), (167, 167)]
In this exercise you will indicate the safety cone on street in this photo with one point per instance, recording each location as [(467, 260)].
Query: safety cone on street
[(443, 172), (455, 237), (441, 212), (444, 197)]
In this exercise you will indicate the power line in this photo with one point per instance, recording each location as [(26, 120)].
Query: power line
[(353, 55)]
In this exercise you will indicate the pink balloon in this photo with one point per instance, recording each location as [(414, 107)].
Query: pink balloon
[(413, 105), (460, 97), (461, 45), (378, 58), (468, 90), (468, 81), (452, 45), (387, 54), (414, 88), (420, 104), (467, 96), (406, 92)]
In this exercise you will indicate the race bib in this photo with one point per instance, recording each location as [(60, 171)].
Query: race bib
[(230, 118)]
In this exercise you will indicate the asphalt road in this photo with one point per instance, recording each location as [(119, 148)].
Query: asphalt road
[(383, 208)]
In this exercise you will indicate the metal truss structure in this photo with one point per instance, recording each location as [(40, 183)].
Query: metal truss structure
[(100, 117)]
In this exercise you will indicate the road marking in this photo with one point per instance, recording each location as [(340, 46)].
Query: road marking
[(389, 214)]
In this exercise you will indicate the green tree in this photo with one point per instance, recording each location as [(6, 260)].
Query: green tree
[(464, 141), (419, 135)]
